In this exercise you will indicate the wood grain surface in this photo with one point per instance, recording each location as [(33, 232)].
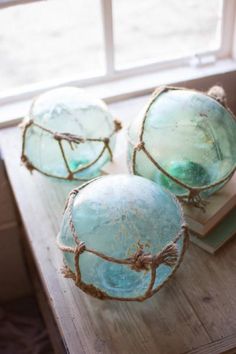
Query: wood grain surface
[(194, 313)]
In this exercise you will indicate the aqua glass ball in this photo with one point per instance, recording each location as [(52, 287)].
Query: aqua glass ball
[(190, 135), (68, 110), (116, 215)]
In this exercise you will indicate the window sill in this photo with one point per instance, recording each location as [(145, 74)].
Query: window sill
[(223, 72)]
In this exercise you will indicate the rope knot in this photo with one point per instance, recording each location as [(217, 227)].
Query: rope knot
[(26, 124), (184, 226), (79, 248), (139, 260), (143, 261), (140, 146), (57, 136), (218, 93), (118, 125), (71, 196), (27, 163), (71, 138), (168, 256), (195, 199), (106, 141)]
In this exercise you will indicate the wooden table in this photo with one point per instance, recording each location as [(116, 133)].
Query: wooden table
[(194, 313)]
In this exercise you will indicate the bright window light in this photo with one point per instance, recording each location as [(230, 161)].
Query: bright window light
[(44, 44), (156, 30), (50, 40)]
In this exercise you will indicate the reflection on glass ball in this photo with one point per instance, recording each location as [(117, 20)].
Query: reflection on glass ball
[(190, 135), (127, 218), (188, 172), (68, 119)]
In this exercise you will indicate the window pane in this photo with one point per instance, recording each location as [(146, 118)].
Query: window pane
[(47, 40), (164, 29)]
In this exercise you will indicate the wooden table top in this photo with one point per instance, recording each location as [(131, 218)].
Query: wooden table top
[(194, 313)]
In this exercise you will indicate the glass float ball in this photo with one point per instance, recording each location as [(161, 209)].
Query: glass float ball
[(183, 170), (68, 110), (190, 135), (117, 216)]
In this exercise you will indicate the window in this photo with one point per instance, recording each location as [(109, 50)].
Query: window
[(48, 40), (160, 30), (47, 43)]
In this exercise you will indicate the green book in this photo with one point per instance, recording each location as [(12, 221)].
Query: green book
[(217, 237), (218, 206)]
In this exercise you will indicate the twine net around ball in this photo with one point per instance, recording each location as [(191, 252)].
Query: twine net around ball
[(74, 141), (193, 198), (139, 261)]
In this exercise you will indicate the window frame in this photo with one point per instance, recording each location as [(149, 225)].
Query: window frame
[(9, 3), (113, 74)]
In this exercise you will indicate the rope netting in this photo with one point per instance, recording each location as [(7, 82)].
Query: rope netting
[(193, 197), (139, 261), (73, 141)]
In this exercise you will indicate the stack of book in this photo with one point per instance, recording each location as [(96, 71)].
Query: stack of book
[(213, 228)]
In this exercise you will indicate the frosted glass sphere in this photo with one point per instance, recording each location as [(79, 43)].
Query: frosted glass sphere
[(119, 215), (68, 110), (190, 135)]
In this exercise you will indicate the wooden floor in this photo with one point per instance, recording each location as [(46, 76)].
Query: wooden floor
[(194, 313)]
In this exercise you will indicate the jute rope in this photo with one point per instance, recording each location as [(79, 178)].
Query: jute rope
[(139, 261), (73, 140), (193, 196)]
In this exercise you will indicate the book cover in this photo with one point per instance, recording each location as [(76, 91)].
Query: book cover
[(216, 238), (218, 206)]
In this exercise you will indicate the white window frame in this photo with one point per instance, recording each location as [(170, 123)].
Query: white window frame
[(8, 3), (112, 74)]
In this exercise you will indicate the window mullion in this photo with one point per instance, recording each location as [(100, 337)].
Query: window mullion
[(107, 20), (227, 28)]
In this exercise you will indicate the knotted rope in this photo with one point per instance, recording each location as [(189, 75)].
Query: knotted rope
[(139, 261), (144, 261), (193, 198), (73, 141), (218, 93)]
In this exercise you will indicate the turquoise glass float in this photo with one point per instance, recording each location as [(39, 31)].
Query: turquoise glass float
[(185, 141), (68, 134), (122, 237)]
